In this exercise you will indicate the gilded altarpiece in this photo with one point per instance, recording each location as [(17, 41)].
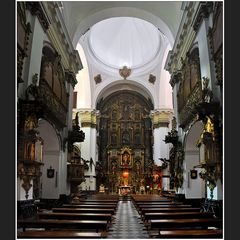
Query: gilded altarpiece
[(125, 142)]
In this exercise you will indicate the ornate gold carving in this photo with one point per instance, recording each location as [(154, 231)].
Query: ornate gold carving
[(88, 118), (27, 171), (98, 78), (160, 119), (152, 78), (125, 72)]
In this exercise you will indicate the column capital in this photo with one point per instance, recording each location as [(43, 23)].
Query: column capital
[(161, 117), (88, 117)]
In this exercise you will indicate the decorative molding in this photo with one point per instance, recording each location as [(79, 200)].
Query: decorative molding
[(36, 8), (160, 118), (194, 98), (161, 124), (54, 108), (203, 11), (27, 171), (70, 78), (215, 36), (152, 78), (125, 72), (23, 34), (176, 77), (184, 39), (89, 118), (98, 78)]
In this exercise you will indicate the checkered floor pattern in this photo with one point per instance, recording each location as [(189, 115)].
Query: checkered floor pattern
[(127, 223)]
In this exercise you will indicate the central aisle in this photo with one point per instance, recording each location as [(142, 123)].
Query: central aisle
[(127, 223)]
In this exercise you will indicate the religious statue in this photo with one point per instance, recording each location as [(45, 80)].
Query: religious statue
[(126, 158)]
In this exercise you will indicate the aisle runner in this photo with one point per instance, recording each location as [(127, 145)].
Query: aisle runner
[(127, 223)]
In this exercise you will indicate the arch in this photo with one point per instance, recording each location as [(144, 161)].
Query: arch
[(119, 85), (194, 188), (90, 20), (51, 159)]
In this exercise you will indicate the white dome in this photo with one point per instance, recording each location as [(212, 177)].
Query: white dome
[(124, 41)]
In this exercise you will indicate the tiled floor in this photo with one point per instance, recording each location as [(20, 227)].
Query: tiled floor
[(127, 223)]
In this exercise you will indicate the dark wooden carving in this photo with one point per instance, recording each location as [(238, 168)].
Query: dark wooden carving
[(190, 88), (52, 90)]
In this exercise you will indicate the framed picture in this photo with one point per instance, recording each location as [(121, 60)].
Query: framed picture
[(193, 174), (50, 172)]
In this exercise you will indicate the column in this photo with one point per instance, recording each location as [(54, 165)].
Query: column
[(161, 119), (88, 120)]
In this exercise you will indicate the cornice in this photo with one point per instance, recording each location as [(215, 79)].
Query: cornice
[(203, 11), (184, 39), (37, 9), (58, 33)]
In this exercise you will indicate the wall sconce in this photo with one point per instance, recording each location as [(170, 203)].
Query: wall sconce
[(50, 172)]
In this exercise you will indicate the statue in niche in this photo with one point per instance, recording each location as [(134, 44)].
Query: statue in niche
[(126, 158), (138, 170), (114, 115), (114, 138), (125, 138), (126, 112), (137, 115), (137, 138)]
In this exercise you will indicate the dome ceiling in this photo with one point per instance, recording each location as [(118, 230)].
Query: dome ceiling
[(124, 41)]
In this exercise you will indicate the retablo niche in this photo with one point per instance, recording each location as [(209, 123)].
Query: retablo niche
[(50, 172)]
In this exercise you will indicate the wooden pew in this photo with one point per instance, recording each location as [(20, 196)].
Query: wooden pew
[(170, 209), (89, 206), (99, 200), (60, 234), (84, 210), (62, 224), (92, 203), (196, 233), (175, 215), (75, 216), (183, 223)]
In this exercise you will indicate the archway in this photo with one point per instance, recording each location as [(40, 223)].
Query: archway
[(49, 183), (193, 186)]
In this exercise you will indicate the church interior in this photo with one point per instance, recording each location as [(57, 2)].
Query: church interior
[(119, 119)]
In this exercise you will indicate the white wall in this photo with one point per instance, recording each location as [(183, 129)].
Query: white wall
[(193, 188), (160, 148), (50, 186), (203, 50), (83, 86), (89, 150)]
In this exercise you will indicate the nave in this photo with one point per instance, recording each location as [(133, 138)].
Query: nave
[(127, 223), (135, 216), (116, 100)]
